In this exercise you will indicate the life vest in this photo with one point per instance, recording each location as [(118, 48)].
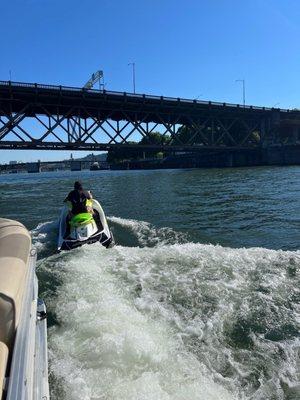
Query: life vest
[(78, 202)]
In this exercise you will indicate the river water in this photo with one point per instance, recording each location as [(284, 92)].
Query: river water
[(199, 299)]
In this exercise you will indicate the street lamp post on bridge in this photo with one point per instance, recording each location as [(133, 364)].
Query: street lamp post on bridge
[(244, 92), (133, 75)]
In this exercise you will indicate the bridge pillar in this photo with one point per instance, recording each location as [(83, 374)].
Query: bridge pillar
[(33, 167), (295, 134), (229, 160), (263, 132), (75, 165), (275, 126)]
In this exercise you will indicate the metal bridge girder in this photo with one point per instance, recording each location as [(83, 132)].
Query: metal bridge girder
[(91, 119)]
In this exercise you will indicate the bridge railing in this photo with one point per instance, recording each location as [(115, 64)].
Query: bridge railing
[(138, 95)]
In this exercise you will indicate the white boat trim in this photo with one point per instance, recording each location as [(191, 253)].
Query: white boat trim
[(28, 375)]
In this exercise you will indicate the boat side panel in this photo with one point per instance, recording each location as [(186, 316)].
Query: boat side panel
[(22, 384)]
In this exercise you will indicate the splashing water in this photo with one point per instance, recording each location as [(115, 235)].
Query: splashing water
[(145, 234), (172, 319), (44, 235)]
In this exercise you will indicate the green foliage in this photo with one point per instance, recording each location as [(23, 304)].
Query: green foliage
[(256, 136), (217, 134), (184, 135), (125, 153), (154, 138)]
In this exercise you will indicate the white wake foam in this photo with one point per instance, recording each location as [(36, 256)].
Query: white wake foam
[(181, 321), (106, 348), (148, 235), (43, 234)]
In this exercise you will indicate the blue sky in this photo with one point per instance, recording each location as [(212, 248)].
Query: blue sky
[(191, 48)]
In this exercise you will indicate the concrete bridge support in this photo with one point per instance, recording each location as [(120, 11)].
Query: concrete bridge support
[(33, 167), (295, 134), (75, 165)]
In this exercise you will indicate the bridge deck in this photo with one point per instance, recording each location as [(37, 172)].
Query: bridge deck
[(32, 98)]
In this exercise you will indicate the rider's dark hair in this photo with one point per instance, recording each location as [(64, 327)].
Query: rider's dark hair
[(78, 185)]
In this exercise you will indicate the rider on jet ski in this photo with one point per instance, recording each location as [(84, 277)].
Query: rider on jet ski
[(82, 221), (80, 204), (78, 200)]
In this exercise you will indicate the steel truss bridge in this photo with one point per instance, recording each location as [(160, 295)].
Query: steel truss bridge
[(45, 117)]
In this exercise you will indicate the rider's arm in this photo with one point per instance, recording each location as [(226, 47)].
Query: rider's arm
[(68, 201), (67, 198)]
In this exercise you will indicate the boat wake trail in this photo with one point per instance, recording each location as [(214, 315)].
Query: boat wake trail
[(168, 320), (44, 237), (140, 233)]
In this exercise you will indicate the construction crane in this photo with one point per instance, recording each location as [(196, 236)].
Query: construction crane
[(96, 77)]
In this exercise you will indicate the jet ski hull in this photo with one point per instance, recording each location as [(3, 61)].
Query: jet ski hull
[(98, 237)]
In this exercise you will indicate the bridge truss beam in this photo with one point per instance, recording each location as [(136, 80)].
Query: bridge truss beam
[(40, 117), (102, 132)]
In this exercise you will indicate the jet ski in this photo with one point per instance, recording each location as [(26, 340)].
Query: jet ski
[(84, 228)]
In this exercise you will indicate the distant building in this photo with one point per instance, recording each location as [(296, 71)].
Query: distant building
[(13, 162)]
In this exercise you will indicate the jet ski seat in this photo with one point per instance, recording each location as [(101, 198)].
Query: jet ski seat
[(15, 245)]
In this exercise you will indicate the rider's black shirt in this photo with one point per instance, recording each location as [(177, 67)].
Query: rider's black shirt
[(78, 201)]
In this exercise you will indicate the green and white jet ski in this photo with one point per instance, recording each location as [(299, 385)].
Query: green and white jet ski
[(84, 228)]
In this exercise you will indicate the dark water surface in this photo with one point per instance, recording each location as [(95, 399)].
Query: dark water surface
[(200, 299)]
